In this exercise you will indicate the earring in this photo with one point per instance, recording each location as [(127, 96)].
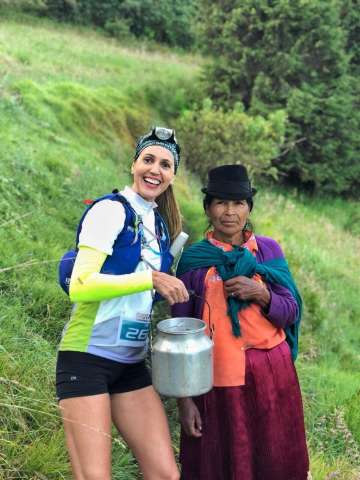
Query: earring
[(248, 226)]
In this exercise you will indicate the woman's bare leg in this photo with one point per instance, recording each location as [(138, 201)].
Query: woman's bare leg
[(87, 424), (140, 418)]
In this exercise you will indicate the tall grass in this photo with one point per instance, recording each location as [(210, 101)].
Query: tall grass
[(71, 103), (324, 258), (71, 106)]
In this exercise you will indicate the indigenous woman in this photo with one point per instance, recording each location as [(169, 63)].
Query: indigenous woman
[(123, 256), (250, 426)]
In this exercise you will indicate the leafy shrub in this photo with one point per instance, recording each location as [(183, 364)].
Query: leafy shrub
[(161, 20), (27, 5), (350, 19), (118, 28), (61, 9), (214, 137), (166, 21), (292, 55)]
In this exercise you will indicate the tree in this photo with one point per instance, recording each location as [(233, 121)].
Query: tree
[(166, 21), (350, 19), (213, 137), (289, 54)]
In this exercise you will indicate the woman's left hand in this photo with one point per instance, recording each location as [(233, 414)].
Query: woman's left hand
[(245, 288)]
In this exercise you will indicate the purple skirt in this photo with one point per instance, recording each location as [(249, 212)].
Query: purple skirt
[(254, 431)]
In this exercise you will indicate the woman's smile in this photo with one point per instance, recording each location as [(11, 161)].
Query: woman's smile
[(152, 181), (153, 172), (151, 184)]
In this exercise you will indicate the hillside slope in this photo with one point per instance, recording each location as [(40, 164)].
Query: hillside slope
[(71, 104)]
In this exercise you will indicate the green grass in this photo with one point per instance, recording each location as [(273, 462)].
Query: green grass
[(324, 258), (49, 53), (71, 104)]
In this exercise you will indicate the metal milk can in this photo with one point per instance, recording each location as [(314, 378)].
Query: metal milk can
[(182, 358)]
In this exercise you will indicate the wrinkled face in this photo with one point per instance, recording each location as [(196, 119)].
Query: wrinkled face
[(153, 172), (228, 218)]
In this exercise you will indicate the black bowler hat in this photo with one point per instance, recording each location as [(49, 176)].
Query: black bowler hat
[(229, 182)]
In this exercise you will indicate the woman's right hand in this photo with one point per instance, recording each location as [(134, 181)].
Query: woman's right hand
[(189, 416), (170, 288)]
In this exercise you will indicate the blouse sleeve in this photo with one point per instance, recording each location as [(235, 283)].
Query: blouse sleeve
[(185, 309), (283, 309)]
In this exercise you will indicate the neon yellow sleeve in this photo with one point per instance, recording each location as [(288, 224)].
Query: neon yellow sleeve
[(88, 285)]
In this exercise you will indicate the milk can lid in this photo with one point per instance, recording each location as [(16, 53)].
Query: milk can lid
[(181, 325)]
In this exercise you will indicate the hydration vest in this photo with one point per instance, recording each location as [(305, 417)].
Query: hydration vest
[(127, 246)]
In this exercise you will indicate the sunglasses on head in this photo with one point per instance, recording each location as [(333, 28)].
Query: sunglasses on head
[(163, 134)]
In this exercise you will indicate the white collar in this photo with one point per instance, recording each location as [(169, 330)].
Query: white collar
[(139, 204)]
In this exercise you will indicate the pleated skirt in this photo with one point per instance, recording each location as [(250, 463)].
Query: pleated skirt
[(254, 431)]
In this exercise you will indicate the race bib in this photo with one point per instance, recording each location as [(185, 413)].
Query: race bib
[(134, 333)]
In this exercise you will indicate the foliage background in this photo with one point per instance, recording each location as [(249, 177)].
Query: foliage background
[(300, 56), (164, 21), (72, 102)]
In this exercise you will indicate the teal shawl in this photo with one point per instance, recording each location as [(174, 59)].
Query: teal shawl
[(240, 261)]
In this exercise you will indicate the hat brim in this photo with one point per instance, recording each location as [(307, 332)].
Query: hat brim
[(230, 195)]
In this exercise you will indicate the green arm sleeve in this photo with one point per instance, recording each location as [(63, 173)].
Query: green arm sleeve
[(88, 285)]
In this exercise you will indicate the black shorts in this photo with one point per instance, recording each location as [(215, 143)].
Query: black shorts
[(79, 374)]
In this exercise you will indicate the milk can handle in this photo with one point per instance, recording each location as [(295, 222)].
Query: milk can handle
[(211, 325)]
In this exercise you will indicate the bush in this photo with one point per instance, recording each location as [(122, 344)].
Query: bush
[(118, 28), (292, 55), (61, 9), (214, 137), (350, 19), (165, 21), (27, 5)]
